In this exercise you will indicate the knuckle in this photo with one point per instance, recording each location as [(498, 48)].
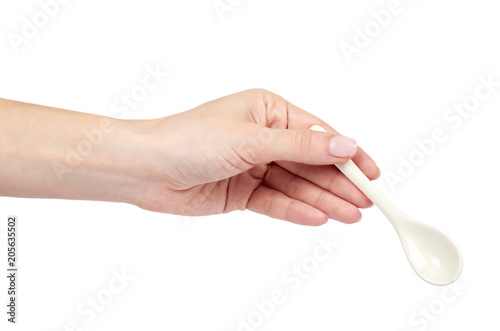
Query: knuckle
[(292, 186), (269, 204), (320, 199), (334, 182), (304, 143), (289, 213)]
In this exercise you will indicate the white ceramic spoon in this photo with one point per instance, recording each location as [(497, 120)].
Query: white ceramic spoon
[(431, 253)]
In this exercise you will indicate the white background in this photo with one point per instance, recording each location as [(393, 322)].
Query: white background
[(205, 273)]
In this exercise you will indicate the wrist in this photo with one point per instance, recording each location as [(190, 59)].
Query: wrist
[(124, 161), (105, 159)]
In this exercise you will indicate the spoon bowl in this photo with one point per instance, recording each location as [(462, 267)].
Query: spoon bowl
[(431, 253)]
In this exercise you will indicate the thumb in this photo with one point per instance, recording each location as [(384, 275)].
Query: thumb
[(313, 146)]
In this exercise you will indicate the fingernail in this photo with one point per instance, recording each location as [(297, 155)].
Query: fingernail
[(341, 146)]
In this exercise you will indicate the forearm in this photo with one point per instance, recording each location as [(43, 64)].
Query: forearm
[(53, 153)]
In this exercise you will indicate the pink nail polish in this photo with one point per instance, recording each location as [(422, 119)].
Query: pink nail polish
[(341, 146)]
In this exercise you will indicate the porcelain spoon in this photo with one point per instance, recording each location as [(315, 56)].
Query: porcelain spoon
[(431, 253)]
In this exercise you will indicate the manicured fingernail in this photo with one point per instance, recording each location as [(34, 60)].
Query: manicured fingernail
[(341, 146)]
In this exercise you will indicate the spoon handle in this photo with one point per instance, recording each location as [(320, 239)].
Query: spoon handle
[(351, 170)]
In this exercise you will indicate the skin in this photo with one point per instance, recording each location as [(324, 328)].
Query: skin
[(250, 150)]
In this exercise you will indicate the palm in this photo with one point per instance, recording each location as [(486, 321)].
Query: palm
[(211, 198)]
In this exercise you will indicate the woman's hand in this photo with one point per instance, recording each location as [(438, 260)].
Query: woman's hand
[(252, 150)]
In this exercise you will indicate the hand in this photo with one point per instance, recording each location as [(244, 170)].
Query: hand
[(251, 150)]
